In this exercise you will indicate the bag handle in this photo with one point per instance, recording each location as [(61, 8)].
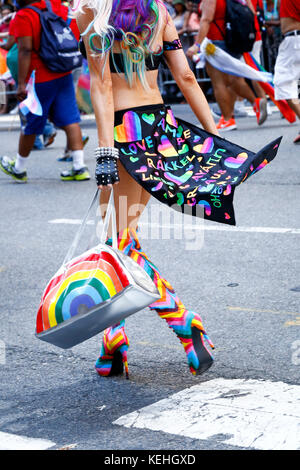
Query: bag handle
[(110, 214)]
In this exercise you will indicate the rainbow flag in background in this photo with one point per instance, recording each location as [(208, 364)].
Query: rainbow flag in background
[(226, 63), (31, 104), (3, 66), (83, 90)]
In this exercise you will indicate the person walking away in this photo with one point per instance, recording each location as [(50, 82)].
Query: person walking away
[(49, 132), (226, 87), (273, 36), (55, 91), (287, 66), (6, 15), (140, 149), (178, 17), (257, 47)]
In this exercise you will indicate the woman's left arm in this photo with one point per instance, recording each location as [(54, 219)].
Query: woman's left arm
[(187, 82)]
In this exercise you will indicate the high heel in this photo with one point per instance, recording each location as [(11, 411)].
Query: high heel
[(189, 329), (113, 355)]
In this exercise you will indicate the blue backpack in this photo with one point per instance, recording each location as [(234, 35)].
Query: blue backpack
[(58, 45)]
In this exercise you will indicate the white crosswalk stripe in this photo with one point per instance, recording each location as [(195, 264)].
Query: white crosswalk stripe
[(254, 414), (15, 442), (214, 228)]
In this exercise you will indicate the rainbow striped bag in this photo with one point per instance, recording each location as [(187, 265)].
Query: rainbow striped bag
[(92, 291)]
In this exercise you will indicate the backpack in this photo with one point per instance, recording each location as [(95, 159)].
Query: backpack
[(240, 27), (58, 45)]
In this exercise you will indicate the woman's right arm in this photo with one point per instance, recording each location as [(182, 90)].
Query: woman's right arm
[(186, 81), (101, 85)]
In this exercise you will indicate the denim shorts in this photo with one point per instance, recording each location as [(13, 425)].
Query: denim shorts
[(58, 101), (222, 45)]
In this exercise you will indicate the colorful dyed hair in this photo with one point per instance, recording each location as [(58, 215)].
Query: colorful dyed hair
[(133, 23)]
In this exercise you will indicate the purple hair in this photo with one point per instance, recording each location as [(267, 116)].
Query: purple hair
[(132, 15), (135, 24)]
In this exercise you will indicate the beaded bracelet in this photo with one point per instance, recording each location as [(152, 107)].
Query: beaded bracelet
[(107, 152)]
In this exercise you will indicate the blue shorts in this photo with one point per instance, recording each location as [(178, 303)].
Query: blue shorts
[(58, 101), (222, 45)]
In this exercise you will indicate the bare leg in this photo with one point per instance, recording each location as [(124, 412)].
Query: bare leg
[(225, 98), (74, 136), (240, 87), (295, 107), (258, 89), (26, 144)]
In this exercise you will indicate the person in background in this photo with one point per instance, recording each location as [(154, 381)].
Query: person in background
[(54, 90), (287, 66), (271, 12), (6, 15), (67, 154), (226, 87), (256, 53), (257, 47), (273, 31), (49, 131), (191, 17), (169, 7), (179, 14)]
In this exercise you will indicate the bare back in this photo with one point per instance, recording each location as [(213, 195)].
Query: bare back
[(110, 92), (289, 24), (124, 95)]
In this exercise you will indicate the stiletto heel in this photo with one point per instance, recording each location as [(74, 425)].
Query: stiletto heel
[(113, 355), (125, 362), (190, 331), (205, 359)]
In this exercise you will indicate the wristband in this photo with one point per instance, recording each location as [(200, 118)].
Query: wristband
[(107, 152)]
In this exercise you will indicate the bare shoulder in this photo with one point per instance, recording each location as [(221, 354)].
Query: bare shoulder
[(170, 31), (163, 15), (83, 18)]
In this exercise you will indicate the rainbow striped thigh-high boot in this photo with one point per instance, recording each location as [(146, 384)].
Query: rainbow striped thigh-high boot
[(186, 324)]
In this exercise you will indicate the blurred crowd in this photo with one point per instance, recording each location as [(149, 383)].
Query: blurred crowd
[(186, 15), (242, 36)]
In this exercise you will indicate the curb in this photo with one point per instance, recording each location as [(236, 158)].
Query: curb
[(12, 122)]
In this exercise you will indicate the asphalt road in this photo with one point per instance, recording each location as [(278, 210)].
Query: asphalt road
[(244, 283)]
